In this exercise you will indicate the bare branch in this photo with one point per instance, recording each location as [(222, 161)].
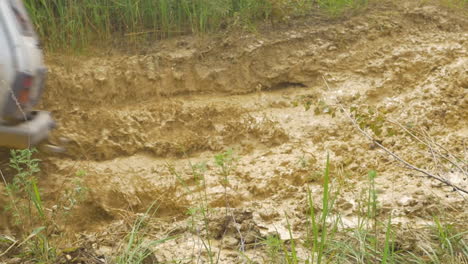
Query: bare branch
[(406, 163), (432, 148)]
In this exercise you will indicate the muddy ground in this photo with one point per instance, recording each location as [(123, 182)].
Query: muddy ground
[(142, 125)]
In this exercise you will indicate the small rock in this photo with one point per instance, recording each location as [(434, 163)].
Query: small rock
[(230, 242), (104, 251), (250, 238), (406, 201), (346, 206)]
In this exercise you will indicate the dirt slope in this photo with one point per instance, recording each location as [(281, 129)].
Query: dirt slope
[(136, 123)]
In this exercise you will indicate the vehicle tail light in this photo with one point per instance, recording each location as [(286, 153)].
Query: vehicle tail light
[(24, 94), (23, 97), (27, 82)]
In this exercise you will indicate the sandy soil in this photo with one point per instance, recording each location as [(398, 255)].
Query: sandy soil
[(137, 123)]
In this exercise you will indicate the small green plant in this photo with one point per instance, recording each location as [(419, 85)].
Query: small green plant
[(290, 254), (225, 161), (138, 248), (372, 196), (303, 162), (372, 204), (317, 229), (389, 249), (450, 240), (455, 4), (320, 107), (374, 120), (74, 195), (201, 211), (24, 187), (337, 7), (274, 246), (39, 246), (28, 210), (198, 171), (323, 108), (27, 207)]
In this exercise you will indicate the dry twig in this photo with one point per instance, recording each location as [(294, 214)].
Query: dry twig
[(431, 144), (406, 163)]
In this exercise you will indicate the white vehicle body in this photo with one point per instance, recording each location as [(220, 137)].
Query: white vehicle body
[(22, 78)]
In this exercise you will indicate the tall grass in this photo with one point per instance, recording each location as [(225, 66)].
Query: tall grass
[(73, 23), (320, 226), (65, 24)]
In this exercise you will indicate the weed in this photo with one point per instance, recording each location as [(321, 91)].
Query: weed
[(137, 248), (389, 250), (274, 246), (455, 4), (318, 228), (24, 187), (73, 196), (290, 255), (372, 119), (27, 206), (198, 171), (451, 241), (303, 162), (201, 210), (323, 108), (337, 7), (225, 161)]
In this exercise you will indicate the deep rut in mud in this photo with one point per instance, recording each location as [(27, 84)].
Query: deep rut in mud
[(136, 123)]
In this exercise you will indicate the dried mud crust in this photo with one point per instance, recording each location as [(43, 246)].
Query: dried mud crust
[(136, 120), (165, 129)]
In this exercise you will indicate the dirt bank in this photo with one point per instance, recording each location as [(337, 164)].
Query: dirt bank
[(142, 127)]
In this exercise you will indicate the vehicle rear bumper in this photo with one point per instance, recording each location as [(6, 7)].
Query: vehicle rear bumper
[(29, 133)]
